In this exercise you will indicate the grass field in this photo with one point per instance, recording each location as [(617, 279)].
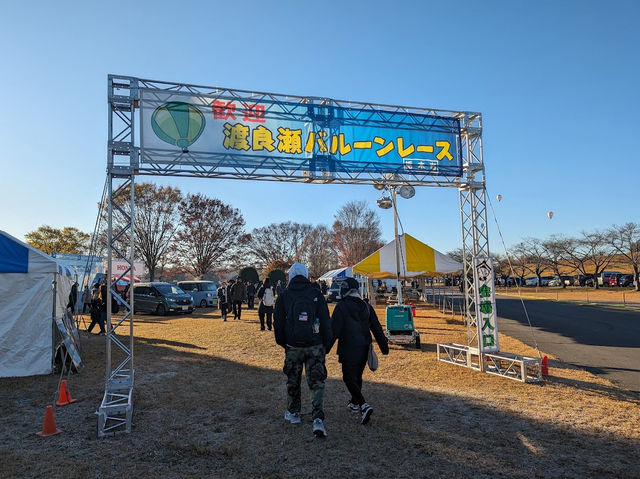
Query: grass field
[(210, 396), (614, 296)]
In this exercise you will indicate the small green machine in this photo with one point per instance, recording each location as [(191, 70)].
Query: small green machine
[(399, 327)]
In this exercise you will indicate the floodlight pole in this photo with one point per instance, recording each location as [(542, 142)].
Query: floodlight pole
[(397, 243)]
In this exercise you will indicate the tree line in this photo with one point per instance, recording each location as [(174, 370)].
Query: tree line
[(202, 235), (588, 254)]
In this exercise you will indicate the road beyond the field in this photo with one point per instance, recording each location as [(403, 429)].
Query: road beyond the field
[(601, 340)]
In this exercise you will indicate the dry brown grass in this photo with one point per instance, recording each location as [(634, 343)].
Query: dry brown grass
[(613, 296), (210, 397)]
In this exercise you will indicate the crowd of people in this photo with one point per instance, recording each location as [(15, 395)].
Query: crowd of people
[(299, 316)]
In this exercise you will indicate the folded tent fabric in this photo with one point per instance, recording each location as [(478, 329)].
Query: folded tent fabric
[(416, 259)]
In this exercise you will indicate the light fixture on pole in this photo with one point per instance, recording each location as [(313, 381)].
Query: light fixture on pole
[(406, 191)]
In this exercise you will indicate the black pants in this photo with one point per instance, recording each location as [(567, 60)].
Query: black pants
[(250, 302), (268, 312), (96, 318), (237, 309), (352, 377), (223, 310)]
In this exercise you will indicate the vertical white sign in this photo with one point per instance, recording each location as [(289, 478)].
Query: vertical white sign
[(485, 305)]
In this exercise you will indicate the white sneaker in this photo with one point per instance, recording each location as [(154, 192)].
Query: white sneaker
[(367, 411), (292, 417), (318, 428), (353, 407)]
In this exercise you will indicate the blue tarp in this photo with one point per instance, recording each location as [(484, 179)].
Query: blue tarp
[(14, 258)]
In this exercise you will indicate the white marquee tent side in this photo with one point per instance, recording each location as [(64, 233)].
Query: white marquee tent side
[(29, 302)]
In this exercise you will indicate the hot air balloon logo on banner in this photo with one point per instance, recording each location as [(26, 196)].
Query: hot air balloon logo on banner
[(178, 124)]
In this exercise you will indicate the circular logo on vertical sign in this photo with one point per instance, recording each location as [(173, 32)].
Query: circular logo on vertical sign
[(178, 124)]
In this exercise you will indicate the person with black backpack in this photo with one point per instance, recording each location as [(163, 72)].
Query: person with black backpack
[(352, 321), (303, 328)]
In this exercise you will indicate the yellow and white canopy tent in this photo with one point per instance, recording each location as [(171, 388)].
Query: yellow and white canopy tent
[(416, 260)]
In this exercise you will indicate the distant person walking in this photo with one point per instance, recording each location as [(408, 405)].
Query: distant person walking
[(303, 328), (223, 300), (267, 301), (251, 294), (86, 299), (352, 321), (96, 305), (73, 297), (238, 293)]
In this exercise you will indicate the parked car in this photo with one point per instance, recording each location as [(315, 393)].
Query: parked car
[(334, 291), (585, 280), (567, 280), (613, 280), (533, 281), (625, 280), (555, 282), (605, 276), (160, 298), (203, 293)]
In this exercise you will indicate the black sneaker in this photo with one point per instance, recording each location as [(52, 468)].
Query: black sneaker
[(367, 411)]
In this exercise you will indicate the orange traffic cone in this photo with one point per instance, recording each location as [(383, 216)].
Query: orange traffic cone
[(49, 425), (64, 396), (545, 366)]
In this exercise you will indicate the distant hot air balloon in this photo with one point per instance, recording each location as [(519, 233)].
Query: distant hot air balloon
[(178, 124), (499, 197), (550, 214)]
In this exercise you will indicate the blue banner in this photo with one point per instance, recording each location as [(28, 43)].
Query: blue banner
[(307, 136)]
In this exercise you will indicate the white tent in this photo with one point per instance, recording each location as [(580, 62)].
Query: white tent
[(34, 289), (337, 273)]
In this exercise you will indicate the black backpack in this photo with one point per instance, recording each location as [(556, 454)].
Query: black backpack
[(303, 324)]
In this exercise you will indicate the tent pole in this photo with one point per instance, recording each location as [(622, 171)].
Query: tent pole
[(54, 287), (395, 228)]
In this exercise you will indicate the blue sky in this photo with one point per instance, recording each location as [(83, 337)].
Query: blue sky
[(556, 82)]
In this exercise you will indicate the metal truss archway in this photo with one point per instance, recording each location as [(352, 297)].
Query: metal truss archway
[(126, 160)]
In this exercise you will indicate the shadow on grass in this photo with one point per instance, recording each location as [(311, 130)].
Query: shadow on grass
[(203, 416)]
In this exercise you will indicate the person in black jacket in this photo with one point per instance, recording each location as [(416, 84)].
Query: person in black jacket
[(251, 294), (302, 326), (352, 321)]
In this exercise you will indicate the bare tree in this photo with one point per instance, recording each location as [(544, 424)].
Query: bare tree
[(319, 255), (625, 240), (591, 253), (210, 234), (556, 250), (155, 222), (519, 261), (356, 232), (532, 255), (277, 241)]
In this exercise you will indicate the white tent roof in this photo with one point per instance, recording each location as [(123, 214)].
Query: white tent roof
[(337, 273)]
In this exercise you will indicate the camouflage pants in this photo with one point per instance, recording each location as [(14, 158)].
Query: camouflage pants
[(313, 359)]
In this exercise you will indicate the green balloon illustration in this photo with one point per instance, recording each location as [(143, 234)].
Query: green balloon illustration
[(178, 124)]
